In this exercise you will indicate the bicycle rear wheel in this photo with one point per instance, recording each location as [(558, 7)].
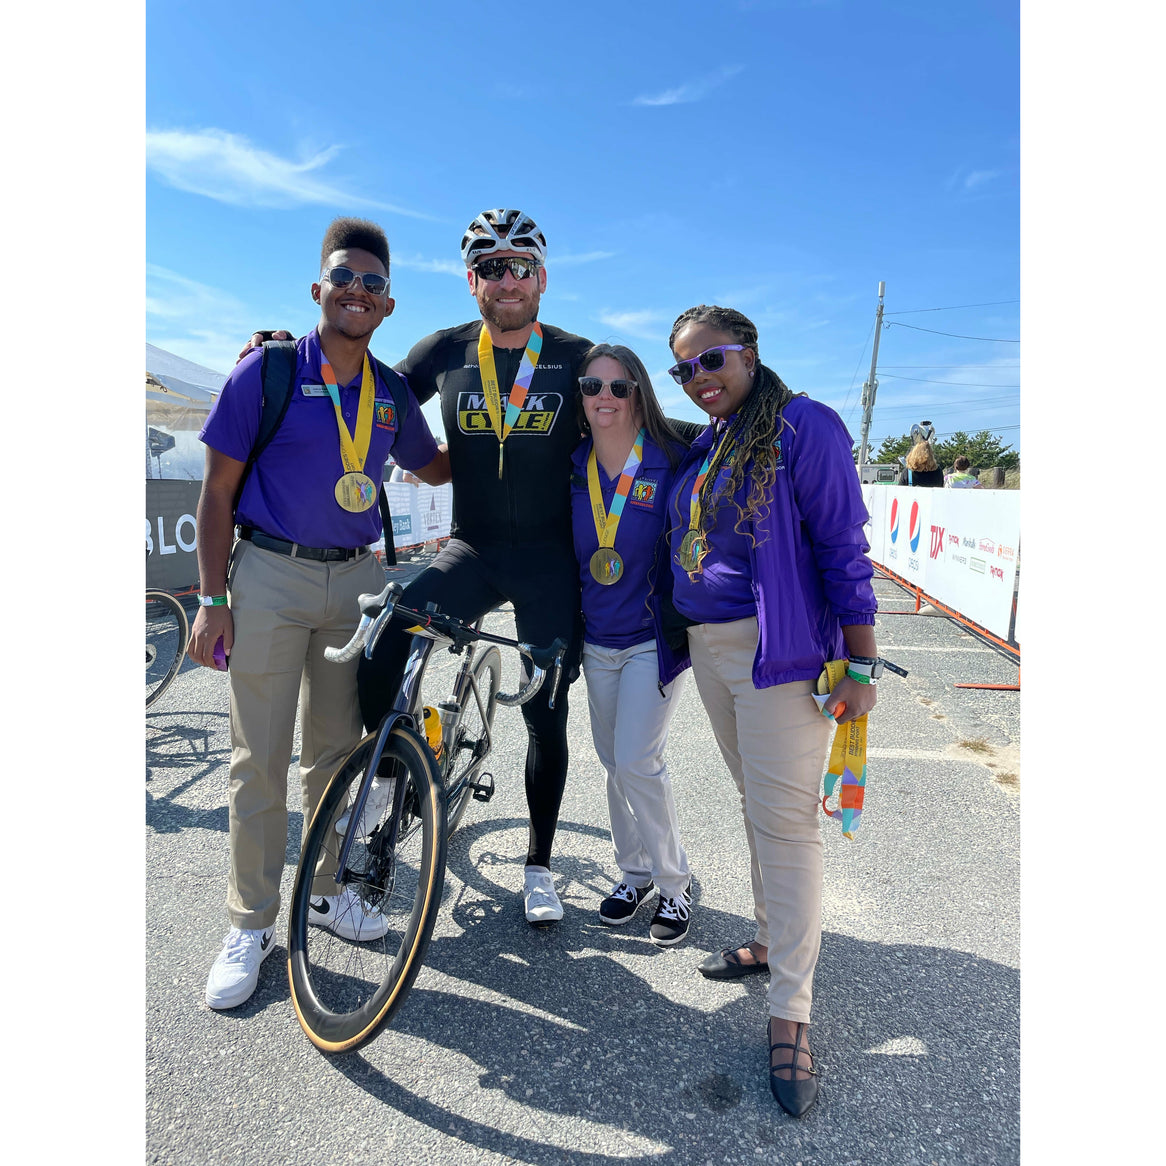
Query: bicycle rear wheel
[(344, 991), (471, 738), (167, 630)]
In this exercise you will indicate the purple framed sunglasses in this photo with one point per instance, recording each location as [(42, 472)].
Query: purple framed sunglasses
[(711, 360)]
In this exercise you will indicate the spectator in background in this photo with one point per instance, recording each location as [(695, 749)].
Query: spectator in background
[(961, 477), (920, 467)]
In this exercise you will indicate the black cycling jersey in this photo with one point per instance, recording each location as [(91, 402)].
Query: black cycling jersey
[(531, 503)]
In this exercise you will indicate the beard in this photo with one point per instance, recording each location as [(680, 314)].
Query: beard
[(509, 317)]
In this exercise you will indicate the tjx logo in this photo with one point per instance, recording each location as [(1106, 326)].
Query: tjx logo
[(936, 540)]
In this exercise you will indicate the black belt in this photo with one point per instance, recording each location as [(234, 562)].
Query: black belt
[(282, 547)]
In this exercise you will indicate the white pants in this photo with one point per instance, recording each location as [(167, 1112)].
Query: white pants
[(629, 722), (774, 741)]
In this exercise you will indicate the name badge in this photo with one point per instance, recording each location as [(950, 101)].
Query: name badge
[(314, 390)]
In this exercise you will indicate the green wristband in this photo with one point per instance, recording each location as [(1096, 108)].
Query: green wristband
[(212, 601), (859, 677)]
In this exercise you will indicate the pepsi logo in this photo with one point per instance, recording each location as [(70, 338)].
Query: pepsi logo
[(894, 519), (914, 527)]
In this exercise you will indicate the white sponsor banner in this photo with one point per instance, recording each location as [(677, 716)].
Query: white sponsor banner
[(420, 513), (960, 546)]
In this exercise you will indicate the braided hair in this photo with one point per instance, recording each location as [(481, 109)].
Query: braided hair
[(750, 445)]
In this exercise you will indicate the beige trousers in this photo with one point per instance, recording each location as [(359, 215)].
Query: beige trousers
[(774, 741), (286, 612)]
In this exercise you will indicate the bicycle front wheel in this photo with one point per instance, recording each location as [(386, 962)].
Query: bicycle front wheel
[(344, 991), (167, 630), (471, 737)]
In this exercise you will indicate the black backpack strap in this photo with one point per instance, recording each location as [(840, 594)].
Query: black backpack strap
[(401, 404), (278, 376)]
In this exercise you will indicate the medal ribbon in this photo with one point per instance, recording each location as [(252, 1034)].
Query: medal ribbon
[(503, 425), (607, 523), (846, 770), (353, 454)]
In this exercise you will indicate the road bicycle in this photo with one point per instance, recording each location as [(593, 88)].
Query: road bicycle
[(167, 630), (381, 827)]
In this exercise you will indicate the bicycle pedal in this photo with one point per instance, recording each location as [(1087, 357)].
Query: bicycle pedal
[(484, 787)]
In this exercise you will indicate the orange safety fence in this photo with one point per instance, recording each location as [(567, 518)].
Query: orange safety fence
[(922, 597)]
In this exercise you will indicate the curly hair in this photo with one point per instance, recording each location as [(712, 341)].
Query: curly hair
[(921, 458), (751, 442), (346, 233)]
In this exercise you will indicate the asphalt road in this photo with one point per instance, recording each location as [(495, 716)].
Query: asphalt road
[(585, 1045)]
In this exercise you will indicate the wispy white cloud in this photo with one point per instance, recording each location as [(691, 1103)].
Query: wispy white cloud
[(646, 325), (691, 90), (979, 177), (229, 168), (438, 266), (201, 323), (585, 257)]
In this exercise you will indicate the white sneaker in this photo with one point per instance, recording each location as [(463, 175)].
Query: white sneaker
[(344, 915), (542, 904), (379, 796), (235, 972)]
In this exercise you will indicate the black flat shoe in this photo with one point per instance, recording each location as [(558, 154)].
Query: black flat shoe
[(727, 965), (795, 1097)]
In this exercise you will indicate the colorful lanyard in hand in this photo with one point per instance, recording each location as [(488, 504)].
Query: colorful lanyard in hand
[(606, 564), (514, 402)]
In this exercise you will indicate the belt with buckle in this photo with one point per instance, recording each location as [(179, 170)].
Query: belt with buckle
[(282, 547)]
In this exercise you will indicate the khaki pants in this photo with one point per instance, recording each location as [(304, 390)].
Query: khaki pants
[(774, 741), (286, 612)]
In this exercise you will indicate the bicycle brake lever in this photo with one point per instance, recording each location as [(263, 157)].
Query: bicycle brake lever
[(556, 670)]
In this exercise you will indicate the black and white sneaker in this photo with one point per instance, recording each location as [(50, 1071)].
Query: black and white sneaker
[(623, 902), (670, 923)]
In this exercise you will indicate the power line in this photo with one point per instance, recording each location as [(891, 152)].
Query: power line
[(965, 384), (951, 308), (916, 328)]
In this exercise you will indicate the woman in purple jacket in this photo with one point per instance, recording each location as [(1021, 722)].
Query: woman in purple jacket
[(769, 570), (620, 478)]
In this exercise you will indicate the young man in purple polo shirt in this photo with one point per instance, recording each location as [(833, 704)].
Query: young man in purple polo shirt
[(280, 574)]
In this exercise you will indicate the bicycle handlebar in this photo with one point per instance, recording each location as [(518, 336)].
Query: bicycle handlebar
[(377, 610)]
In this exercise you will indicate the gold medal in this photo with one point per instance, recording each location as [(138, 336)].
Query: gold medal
[(693, 548), (356, 492), (606, 566)]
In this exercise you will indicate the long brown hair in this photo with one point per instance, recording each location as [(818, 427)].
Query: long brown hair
[(751, 441)]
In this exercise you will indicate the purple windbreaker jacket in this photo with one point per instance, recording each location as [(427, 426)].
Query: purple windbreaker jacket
[(810, 568)]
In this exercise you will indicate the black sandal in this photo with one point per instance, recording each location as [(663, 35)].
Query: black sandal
[(727, 965), (794, 1096)]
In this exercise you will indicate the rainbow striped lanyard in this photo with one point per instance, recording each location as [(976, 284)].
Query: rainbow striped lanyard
[(352, 454), (606, 524), (503, 425)]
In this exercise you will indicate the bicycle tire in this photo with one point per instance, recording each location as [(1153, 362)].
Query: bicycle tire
[(344, 991), (469, 746), (167, 630)]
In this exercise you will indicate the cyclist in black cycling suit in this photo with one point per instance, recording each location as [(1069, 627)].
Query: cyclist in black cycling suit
[(508, 391)]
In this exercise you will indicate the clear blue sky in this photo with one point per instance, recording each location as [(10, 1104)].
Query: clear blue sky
[(779, 158)]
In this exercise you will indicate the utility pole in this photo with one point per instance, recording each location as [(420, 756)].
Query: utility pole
[(871, 387)]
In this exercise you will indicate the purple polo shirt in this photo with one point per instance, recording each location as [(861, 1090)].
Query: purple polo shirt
[(290, 491), (723, 589), (618, 616)]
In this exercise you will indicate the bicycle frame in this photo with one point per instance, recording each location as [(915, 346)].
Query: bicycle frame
[(405, 709)]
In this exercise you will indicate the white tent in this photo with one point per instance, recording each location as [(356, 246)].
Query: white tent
[(179, 395)]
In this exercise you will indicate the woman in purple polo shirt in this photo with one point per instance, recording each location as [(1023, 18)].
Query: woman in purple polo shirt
[(769, 568), (619, 484)]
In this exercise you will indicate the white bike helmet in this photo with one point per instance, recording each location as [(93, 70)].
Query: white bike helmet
[(924, 431), (502, 230)]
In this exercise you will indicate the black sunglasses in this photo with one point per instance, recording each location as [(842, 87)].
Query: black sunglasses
[(342, 277), (495, 269), (711, 360), (592, 386)]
